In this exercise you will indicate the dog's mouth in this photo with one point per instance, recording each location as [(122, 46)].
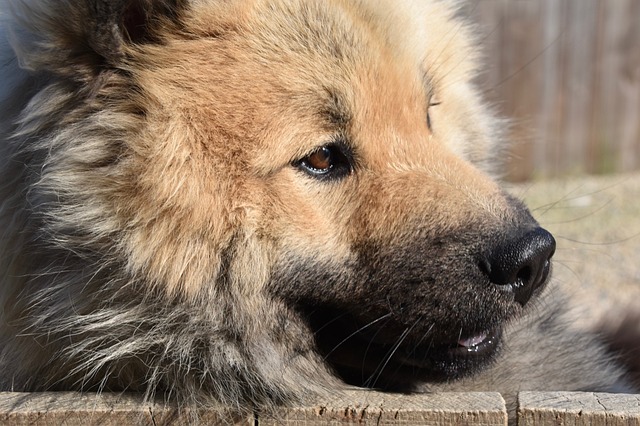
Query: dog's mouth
[(460, 358), (380, 356)]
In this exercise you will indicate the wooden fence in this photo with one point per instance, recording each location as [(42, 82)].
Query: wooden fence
[(354, 408), (568, 72)]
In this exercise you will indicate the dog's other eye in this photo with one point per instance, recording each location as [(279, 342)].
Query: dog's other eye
[(327, 162), (429, 122)]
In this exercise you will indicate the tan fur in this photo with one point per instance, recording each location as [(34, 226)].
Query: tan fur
[(155, 223)]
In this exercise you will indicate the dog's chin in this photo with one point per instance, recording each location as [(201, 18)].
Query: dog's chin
[(366, 359)]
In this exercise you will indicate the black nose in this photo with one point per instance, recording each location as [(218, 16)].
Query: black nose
[(522, 263)]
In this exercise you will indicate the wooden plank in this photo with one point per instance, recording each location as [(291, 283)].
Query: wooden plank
[(578, 408), (363, 407), (76, 409), (629, 78), (614, 113), (580, 20)]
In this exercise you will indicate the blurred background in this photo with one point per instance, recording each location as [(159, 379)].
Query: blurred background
[(568, 73)]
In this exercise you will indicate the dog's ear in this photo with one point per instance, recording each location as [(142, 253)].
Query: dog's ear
[(57, 35), (118, 23)]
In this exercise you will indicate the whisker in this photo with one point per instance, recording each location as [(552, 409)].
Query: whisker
[(389, 355), (419, 342), (328, 323), (356, 332)]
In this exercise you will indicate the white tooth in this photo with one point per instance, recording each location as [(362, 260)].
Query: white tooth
[(473, 341)]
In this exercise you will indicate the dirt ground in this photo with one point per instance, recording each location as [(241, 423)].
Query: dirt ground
[(596, 222)]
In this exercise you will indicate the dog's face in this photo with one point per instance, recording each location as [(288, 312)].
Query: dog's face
[(344, 148), (320, 162)]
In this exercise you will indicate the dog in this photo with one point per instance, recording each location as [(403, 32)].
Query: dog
[(257, 202)]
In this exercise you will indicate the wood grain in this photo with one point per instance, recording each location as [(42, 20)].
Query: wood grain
[(578, 408), (372, 408), (357, 407)]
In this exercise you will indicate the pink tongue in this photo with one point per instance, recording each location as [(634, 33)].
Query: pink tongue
[(472, 341)]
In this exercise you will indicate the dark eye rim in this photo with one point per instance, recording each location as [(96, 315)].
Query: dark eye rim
[(342, 162), (429, 119)]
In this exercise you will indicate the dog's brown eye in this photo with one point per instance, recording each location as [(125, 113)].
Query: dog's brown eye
[(320, 160), (327, 162)]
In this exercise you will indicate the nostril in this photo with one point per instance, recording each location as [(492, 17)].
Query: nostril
[(524, 274), (521, 264), (485, 266)]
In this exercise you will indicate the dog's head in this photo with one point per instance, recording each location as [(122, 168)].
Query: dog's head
[(298, 179)]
